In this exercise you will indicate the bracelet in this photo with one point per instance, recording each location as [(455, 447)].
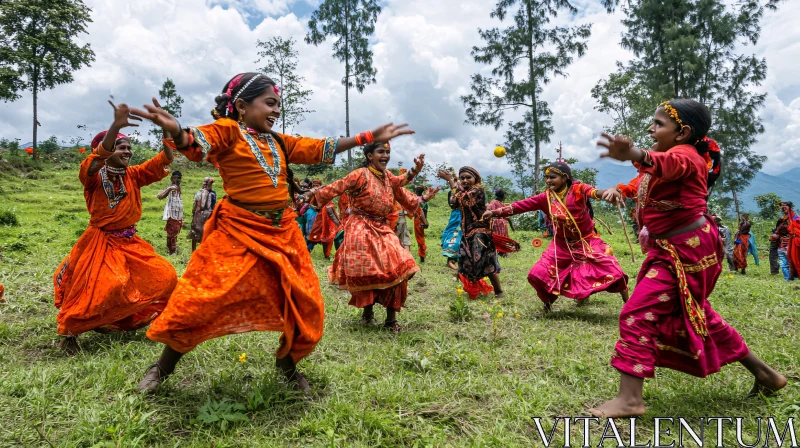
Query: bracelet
[(647, 160), (364, 138)]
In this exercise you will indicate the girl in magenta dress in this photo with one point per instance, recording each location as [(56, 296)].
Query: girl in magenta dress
[(577, 263), (669, 322)]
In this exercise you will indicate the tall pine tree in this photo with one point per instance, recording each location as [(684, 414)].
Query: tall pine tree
[(543, 51), (281, 65), (37, 51), (351, 22), (686, 49)]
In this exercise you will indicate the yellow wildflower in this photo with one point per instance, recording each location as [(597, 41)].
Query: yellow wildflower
[(516, 315), (243, 357), (460, 291), (499, 314)]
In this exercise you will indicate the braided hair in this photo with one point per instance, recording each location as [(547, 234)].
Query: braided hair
[(697, 116)]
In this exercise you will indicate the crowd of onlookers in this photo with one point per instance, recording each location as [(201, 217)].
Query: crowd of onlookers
[(784, 244)]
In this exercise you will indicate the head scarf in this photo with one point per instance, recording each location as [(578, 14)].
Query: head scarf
[(471, 171), (99, 138), (316, 183)]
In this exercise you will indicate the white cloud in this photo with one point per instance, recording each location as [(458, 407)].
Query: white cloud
[(422, 54)]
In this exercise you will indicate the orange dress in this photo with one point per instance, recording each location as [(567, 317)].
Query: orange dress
[(113, 280), (371, 263), (252, 270), (326, 226)]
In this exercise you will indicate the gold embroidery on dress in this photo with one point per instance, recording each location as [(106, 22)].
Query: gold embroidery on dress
[(652, 273), (663, 297), (707, 228), (638, 368), (650, 317), (643, 340), (704, 263), (667, 348), (630, 320), (693, 241)]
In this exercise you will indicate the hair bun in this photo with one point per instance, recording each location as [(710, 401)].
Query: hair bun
[(222, 98)]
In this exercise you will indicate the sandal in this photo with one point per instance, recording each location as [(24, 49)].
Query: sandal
[(153, 378), (394, 327)]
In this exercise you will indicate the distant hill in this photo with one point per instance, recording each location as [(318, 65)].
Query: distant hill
[(785, 185)]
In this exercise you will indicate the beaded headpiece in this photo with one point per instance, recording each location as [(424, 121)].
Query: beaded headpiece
[(557, 171), (673, 113)]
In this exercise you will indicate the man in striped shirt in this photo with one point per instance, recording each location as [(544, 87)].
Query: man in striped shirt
[(173, 212)]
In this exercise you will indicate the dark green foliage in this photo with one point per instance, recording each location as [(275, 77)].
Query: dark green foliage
[(37, 51), (351, 22), (544, 52), (768, 205), (281, 59), (8, 218), (687, 49), (50, 145)]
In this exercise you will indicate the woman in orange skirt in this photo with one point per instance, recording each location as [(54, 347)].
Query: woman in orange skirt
[(378, 266), (252, 271), (112, 280)]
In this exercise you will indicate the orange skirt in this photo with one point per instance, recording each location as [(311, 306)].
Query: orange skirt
[(246, 276), (371, 258), (110, 283)]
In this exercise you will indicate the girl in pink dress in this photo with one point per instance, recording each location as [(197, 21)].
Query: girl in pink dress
[(669, 322), (577, 263)]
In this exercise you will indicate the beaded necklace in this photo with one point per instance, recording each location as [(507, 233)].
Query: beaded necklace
[(378, 173)]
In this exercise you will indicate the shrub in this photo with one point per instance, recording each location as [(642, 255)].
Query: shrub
[(8, 218)]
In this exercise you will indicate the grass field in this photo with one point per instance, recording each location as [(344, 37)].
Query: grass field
[(477, 382)]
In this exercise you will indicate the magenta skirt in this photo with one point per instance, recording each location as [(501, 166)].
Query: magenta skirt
[(576, 270), (661, 326)]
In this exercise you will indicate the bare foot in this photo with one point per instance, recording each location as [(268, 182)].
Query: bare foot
[(625, 296), (548, 307), (499, 295), (70, 345), (452, 264), (618, 408), (767, 384), (152, 379)]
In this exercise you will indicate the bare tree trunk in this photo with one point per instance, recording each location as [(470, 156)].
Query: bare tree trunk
[(534, 112), (35, 117), (347, 81), (736, 205)]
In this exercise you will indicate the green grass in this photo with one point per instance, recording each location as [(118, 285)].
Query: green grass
[(444, 382)]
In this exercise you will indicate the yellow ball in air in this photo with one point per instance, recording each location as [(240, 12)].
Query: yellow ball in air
[(499, 151)]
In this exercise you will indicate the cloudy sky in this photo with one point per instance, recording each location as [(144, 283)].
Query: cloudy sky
[(422, 54)]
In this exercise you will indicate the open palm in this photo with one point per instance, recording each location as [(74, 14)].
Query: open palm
[(158, 116)]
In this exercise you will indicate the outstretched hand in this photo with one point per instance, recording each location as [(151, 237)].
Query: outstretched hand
[(430, 193), (612, 196), (389, 131), (444, 174), (487, 215), (122, 116), (159, 117), (419, 162), (620, 147)]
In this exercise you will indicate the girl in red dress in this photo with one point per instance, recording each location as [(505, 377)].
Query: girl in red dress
[(668, 321)]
